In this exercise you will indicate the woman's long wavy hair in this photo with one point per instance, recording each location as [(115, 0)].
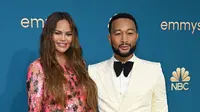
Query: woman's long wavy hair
[(54, 78)]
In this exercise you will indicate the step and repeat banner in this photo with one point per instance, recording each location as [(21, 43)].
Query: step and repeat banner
[(169, 33)]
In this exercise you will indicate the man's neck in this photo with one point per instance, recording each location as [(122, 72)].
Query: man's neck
[(123, 59)]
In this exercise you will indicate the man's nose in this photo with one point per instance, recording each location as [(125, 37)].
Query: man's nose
[(124, 37)]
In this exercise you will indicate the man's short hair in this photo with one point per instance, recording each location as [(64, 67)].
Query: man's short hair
[(121, 15)]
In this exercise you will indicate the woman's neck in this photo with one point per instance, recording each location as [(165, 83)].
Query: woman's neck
[(61, 58)]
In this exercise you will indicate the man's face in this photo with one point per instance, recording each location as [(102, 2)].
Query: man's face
[(123, 37)]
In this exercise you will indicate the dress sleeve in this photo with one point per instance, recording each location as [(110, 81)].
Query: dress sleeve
[(34, 82)]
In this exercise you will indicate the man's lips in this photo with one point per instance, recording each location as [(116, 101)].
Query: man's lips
[(124, 47)]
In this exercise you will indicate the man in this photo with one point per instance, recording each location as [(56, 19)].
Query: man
[(125, 82)]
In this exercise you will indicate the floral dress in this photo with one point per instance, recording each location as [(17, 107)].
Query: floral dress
[(76, 99)]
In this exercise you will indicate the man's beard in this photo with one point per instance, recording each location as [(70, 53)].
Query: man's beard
[(130, 52)]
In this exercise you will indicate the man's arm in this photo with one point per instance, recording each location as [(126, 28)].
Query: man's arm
[(159, 98)]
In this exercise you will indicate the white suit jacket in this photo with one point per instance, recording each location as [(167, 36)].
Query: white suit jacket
[(146, 91)]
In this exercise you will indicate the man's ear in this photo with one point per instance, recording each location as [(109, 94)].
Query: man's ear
[(137, 36), (109, 38)]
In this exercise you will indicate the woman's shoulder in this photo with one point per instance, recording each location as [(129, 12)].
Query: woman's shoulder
[(35, 68), (35, 64)]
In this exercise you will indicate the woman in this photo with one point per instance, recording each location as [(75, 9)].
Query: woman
[(58, 81)]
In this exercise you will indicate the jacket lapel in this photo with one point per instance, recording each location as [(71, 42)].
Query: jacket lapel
[(106, 76)]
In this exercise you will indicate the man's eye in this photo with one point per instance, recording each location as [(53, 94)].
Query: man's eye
[(117, 33), (130, 33)]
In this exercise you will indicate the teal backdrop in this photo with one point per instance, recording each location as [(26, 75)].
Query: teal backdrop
[(169, 33)]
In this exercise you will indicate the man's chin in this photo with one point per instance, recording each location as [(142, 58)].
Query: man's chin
[(125, 54)]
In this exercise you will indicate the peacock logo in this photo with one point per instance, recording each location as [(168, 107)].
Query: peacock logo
[(180, 79)]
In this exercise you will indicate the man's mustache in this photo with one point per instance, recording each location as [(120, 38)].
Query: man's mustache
[(124, 44)]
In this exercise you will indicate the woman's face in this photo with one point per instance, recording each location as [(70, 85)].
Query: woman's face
[(62, 36)]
